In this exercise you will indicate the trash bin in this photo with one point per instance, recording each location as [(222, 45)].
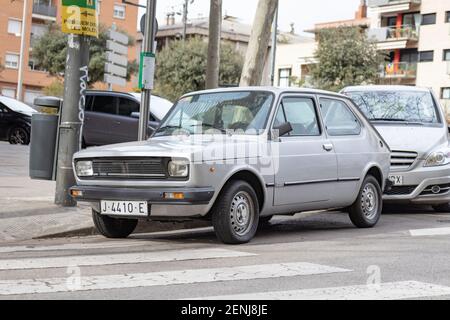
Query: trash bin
[(44, 139)]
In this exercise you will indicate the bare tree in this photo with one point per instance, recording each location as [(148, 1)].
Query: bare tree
[(215, 27), (259, 42)]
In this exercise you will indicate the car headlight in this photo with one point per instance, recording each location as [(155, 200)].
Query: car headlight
[(438, 158), (178, 168), (84, 168)]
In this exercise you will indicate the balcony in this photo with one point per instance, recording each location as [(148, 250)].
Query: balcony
[(390, 6), (43, 10), (390, 38), (400, 70)]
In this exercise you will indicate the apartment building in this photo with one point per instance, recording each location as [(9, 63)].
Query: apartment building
[(415, 34), (40, 13)]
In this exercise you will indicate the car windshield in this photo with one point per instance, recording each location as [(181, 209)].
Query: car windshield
[(397, 106), (243, 112)]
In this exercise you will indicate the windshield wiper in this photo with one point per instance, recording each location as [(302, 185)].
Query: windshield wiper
[(210, 126), (397, 120)]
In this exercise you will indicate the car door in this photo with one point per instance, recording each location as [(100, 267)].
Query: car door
[(125, 126), (307, 169), (350, 145), (99, 120)]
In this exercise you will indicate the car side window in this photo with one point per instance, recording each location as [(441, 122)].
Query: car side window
[(3, 109), (301, 113), (105, 104), (127, 107), (338, 118), (88, 103)]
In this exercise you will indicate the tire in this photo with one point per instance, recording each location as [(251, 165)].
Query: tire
[(19, 135), (113, 228), (235, 215), (366, 210), (442, 208)]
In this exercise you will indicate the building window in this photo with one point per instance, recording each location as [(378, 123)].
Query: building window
[(8, 92), (119, 11), (428, 19), (447, 55), (15, 27), (445, 93), (426, 56), (447, 17), (284, 77), (30, 95), (12, 60)]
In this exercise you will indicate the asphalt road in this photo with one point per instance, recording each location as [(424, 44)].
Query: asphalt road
[(407, 256)]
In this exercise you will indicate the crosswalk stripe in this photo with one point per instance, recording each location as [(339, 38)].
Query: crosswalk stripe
[(385, 291), (430, 232), (52, 285), (122, 258)]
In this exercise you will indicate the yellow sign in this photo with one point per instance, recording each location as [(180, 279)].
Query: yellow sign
[(80, 17)]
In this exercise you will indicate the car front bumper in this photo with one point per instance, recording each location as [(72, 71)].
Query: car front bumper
[(195, 202), (418, 186)]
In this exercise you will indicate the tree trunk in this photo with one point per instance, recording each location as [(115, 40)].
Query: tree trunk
[(215, 26), (259, 43)]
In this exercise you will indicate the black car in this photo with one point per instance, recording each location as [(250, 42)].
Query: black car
[(15, 121)]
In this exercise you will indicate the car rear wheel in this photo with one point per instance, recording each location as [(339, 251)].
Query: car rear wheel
[(19, 135), (366, 210), (114, 228), (235, 214), (442, 208)]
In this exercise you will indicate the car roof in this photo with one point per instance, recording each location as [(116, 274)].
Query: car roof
[(275, 90), (385, 88)]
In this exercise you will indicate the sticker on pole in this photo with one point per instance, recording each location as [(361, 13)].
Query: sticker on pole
[(80, 17), (147, 70)]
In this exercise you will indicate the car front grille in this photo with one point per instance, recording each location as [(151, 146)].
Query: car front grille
[(400, 190), (126, 168), (402, 160)]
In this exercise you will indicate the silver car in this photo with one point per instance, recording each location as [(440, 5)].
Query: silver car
[(413, 124), (238, 157)]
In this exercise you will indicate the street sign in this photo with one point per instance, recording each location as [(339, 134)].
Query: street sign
[(142, 25), (147, 70), (116, 59), (80, 17), (118, 37), (115, 80), (116, 47), (116, 70)]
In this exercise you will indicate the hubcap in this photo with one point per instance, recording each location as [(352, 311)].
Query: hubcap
[(369, 201), (241, 213)]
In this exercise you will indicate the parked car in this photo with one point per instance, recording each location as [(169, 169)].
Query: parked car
[(307, 150), (15, 121), (113, 117), (413, 124)]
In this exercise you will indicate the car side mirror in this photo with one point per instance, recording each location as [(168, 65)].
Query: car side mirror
[(135, 115), (284, 129)]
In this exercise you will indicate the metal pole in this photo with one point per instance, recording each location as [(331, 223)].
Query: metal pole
[(72, 115), (185, 14), (22, 51), (274, 46), (149, 46)]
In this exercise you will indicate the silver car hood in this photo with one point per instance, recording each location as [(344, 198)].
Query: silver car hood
[(207, 147), (420, 139)]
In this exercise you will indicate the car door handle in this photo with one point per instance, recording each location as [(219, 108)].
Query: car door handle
[(328, 147)]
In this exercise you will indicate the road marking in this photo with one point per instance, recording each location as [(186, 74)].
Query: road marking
[(52, 285), (77, 246), (385, 291), (123, 258), (430, 232)]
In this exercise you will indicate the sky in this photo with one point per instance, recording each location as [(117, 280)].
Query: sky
[(303, 13)]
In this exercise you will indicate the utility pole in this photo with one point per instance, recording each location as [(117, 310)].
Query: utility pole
[(22, 51), (149, 46), (72, 116), (259, 42), (215, 26), (185, 16), (274, 47)]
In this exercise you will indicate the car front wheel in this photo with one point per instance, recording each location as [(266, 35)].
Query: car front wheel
[(366, 210), (235, 214), (442, 208), (113, 228), (19, 135)]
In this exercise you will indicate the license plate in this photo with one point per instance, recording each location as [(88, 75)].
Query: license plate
[(124, 208), (396, 180)]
